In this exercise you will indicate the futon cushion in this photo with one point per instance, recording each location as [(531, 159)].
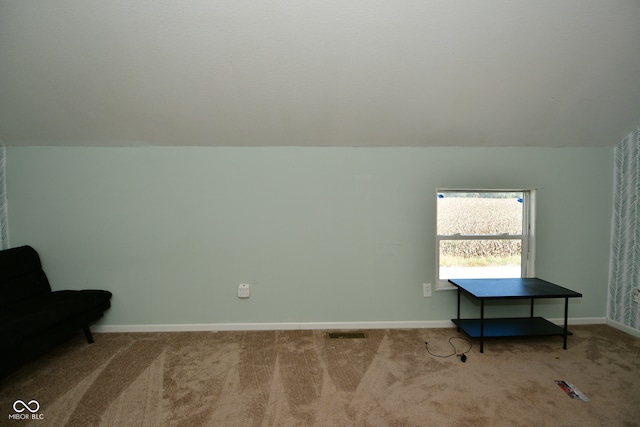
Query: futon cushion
[(21, 276), (28, 318)]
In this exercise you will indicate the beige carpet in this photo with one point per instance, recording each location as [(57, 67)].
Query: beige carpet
[(303, 378)]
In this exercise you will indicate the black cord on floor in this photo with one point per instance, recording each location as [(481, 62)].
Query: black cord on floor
[(462, 355)]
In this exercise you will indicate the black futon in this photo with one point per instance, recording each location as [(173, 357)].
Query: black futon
[(32, 317)]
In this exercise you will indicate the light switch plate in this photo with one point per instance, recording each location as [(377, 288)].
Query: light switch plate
[(426, 290)]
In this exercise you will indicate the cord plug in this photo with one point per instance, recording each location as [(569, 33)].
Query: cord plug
[(463, 357)]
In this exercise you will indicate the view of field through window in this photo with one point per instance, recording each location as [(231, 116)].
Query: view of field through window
[(466, 218)]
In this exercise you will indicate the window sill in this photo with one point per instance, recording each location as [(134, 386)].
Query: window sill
[(445, 286)]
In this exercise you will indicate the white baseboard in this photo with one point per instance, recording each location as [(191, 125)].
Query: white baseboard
[(418, 324), (623, 328), (272, 326)]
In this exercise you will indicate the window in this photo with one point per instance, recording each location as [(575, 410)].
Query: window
[(484, 234)]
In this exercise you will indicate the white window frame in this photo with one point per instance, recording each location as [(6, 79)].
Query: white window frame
[(528, 237)]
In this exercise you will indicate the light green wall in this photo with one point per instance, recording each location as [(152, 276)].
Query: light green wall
[(322, 234)]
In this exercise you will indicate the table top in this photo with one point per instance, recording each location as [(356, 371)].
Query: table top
[(513, 288)]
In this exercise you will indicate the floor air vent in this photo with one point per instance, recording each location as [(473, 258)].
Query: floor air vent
[(346, 335)]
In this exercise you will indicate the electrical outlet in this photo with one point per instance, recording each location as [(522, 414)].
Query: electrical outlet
[(426, 290), (636, 295), (244, 290)]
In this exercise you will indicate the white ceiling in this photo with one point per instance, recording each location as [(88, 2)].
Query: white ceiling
[(319, 73)]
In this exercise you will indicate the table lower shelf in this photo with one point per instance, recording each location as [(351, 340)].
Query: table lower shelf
[(510, 327)]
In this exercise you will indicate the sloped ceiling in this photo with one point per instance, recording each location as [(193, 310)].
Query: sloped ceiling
[(319, 73)]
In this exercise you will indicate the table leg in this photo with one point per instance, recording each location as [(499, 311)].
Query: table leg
[(481, 326), (458, 323), (532, 307), (566, 315)]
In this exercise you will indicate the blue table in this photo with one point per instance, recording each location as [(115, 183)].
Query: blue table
[(503, 289)]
